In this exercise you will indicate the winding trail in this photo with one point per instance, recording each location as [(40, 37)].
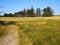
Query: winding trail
[(12, 38)]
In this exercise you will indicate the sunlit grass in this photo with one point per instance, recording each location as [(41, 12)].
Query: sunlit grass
[(37, 30), (42, 32)]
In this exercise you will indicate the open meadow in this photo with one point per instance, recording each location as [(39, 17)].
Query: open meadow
[(33, 30)]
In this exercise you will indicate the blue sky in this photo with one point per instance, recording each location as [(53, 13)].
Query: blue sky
[(11, 6)]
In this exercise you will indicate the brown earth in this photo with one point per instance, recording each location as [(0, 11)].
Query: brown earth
[(12, 38)]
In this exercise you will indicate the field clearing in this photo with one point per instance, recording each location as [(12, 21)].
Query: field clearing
[(37, 30), (27, 18)]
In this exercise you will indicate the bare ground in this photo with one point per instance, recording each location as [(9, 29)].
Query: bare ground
[(12, 38)]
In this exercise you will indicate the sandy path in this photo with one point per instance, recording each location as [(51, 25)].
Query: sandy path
[(12, 37)]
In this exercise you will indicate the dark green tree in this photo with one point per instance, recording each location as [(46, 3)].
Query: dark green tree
[(38, 12), (10, 15), (5, 15), (47, 12), (24, 13), (32, 12), (28, 13), (19, 14), (16, 14)]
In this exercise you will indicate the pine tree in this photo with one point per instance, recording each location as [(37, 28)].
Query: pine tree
[(38, 12), (47, 12), (24, 13), (28, 13), (5, 15), (32, 12)]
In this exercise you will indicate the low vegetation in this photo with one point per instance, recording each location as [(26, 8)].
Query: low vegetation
[(3, 31), (38, 31), (42, 32)]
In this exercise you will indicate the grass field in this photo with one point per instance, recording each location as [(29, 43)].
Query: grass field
[(37, 30)]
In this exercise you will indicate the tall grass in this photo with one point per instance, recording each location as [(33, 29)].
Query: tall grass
[(42, 32), (3, 31), (38, 30)]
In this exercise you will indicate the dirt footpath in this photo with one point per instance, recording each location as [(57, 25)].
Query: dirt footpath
[(12, 38)]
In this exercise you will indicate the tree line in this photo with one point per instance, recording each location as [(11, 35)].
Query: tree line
[(46, 12)]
